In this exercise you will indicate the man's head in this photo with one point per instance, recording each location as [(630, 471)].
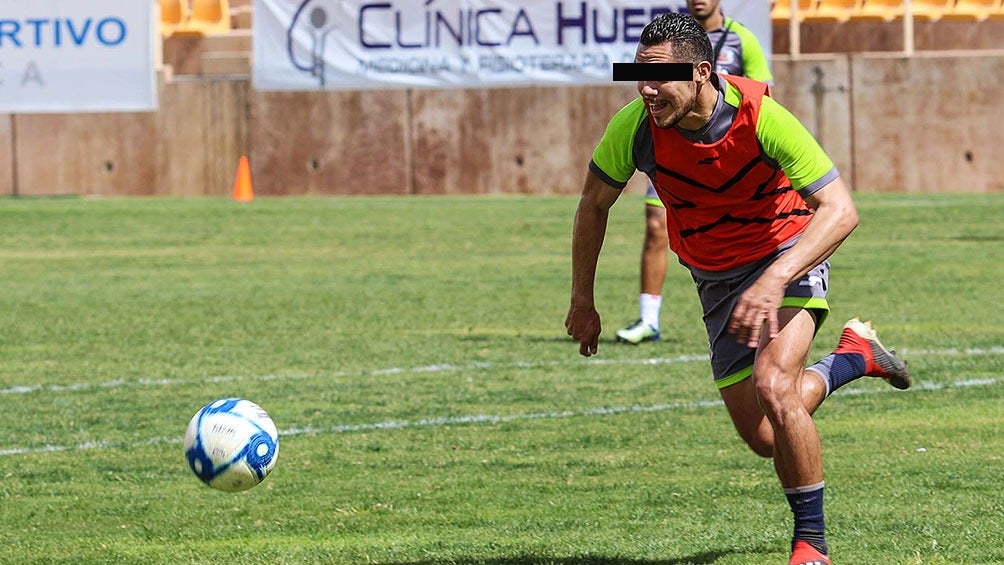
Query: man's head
[(702, 9), (677, 38), (690, 41)]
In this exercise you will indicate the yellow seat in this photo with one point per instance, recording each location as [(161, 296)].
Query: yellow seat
[(173, 15), (978, 10), (930, 10), (878, 11), (998, 12), (780, 10), (832, 11), (210, 16)]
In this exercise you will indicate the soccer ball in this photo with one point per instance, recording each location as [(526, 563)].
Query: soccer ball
[(231, 444)]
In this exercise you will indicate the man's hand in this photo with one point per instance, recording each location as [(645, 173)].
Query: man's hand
[(590, 225), (583, 324), (757, 306)]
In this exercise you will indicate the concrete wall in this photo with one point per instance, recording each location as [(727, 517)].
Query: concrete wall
[(927, 123), (189, 147)]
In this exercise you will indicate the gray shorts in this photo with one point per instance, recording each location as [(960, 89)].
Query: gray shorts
[(732, 361)]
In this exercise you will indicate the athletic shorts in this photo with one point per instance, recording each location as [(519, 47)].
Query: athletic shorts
[(732, 361), (652, 197)]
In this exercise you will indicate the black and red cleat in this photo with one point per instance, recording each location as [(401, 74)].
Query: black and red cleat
[(804, 554), (860, 337)]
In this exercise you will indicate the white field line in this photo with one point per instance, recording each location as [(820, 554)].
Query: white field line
[(438, 368), (474, 419)]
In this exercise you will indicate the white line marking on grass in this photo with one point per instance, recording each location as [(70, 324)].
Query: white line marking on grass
[(475, 419), (437, 368)]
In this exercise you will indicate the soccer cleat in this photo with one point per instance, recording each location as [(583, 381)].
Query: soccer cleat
[(637, 333), (804, 554), (860, 337)]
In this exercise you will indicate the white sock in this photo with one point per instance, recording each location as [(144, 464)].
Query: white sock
[(650, 304)]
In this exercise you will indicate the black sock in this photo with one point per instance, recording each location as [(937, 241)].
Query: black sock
[(807, 506), (839, 369)]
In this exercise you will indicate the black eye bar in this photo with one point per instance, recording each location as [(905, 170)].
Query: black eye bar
[(660, 72)]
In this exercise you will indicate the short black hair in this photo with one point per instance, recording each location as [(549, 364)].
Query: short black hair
[(689, 39)]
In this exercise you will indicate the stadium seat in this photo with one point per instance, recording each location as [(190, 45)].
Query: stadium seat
[(173, 15), (210, 16), (998, 12), (930, 10), (832, 11), (878, 11), (781, 10), (977, 10)]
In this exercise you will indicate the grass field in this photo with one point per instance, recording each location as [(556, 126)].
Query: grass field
[(431, 408)]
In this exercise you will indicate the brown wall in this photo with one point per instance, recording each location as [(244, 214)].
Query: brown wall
[(6, 155), (330, 143), (817, 89), (189, 147), (518, 140), (930, 123), (927, 123)]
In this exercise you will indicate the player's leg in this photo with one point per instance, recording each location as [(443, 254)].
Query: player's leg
[(771, 396), (733, 362), (654, 262), (860, 353), (655, 253), (749, 419), (778, 374)]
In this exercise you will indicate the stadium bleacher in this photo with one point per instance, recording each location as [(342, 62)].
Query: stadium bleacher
[(975, 10), (780, 10), (210, 16), (931, 10), (173, 14), (832, 11), (878, 10), (207, 37), (856, 26)]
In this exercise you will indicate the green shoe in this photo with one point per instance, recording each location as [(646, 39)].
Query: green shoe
[(637, 333)]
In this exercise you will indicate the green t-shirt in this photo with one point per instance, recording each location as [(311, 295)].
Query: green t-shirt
[(741, 53), (627, 145)]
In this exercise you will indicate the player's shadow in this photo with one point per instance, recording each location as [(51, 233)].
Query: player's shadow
[(697, 559)]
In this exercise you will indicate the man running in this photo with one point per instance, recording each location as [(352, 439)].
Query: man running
[(736, 52), (754, 209)]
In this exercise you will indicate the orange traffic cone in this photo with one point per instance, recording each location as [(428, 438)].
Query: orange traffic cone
[(242, 184)]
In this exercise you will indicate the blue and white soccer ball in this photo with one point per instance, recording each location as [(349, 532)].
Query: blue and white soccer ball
[(231, 444)]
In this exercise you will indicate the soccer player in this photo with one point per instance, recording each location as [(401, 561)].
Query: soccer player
[(736, 52), (754, 209)]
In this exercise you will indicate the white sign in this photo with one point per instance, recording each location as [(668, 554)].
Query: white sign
[(76, 56), (379, 44)]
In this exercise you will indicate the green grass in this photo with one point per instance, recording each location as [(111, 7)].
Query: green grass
[(432, 410)]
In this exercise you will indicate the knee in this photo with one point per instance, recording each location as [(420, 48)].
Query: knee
[(655, 232), (777, 395)]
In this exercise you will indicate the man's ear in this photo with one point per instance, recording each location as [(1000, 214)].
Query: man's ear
[(704, 70)]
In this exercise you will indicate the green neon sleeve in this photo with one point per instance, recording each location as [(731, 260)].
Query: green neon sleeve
[(614, 155), (786, 140)]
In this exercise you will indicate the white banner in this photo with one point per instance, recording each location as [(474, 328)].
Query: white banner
[(77, 56), (380, 44)]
